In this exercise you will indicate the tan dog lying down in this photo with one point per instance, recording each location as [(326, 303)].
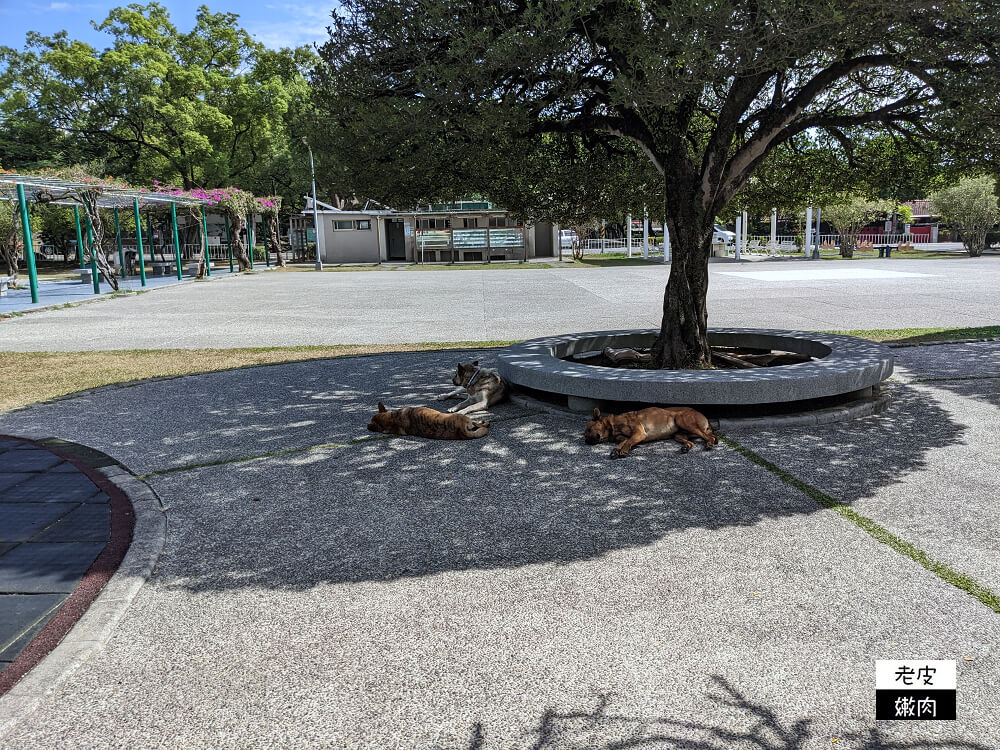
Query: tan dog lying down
[(428, 423), (655, 423)]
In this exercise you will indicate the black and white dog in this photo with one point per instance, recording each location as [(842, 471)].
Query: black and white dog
[(482, 387)]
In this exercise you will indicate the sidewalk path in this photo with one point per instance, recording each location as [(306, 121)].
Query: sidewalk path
[(321, 586)]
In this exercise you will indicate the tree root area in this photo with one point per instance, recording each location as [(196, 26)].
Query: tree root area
[(723, 358)]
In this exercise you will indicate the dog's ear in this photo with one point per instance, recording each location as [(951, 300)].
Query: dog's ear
[(597, 413), (381, 407)]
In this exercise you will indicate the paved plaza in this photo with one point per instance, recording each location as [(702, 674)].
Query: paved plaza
[(404, 306), (320, 586)]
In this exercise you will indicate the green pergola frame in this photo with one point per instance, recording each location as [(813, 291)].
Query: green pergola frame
[(25, 189)]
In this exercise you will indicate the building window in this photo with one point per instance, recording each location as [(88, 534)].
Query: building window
[(343, 224), (433, 223), (498, 221), (470, 223)]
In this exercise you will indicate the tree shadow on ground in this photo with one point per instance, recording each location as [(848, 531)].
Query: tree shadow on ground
[(762, 727), (532, 492), (953, 360)]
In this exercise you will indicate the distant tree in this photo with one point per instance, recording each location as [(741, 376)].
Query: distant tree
[(211, 107), (970, 206), (850, 215), (706, 92)]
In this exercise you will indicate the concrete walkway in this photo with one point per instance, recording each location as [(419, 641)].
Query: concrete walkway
[(321, 586), (363, 307)]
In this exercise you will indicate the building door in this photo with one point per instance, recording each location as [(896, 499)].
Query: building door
[(396, 239), (543, 240)]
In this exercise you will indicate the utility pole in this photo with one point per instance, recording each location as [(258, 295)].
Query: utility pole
[(312, 169)]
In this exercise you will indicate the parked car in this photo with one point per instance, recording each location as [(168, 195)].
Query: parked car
[(723, 236), (568, 239)]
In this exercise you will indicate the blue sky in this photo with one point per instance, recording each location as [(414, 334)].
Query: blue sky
[(273, 22)]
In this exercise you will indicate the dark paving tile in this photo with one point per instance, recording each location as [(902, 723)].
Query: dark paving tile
[(16, 646), (28, 459), (7, 546), (19, 522), (64, 468), (83, 453), (52, 488), (90, 522), (9, 444), (100, 497), (20, 613), (46, 568), (9, 479)]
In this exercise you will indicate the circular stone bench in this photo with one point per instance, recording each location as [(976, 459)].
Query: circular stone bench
[(846, 365)]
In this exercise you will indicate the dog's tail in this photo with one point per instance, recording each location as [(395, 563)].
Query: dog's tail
[(476, 430)]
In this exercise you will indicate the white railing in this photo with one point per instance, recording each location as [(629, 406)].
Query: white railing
[(894, 239), (766, 238), (618, 246), (834, 239)]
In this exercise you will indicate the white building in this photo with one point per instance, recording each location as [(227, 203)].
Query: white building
[(464, 231)]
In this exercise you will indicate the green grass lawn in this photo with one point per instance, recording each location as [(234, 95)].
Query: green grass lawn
[(917, 253), (919, 335), (29, 377)]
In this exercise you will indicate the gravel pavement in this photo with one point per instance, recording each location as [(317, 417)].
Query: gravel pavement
[(523, 591)]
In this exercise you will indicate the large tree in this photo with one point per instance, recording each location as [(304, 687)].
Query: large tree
[(706, 91)]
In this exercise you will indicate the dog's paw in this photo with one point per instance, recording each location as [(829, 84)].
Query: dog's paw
[(685, 449), (452, 410), (615, 453)]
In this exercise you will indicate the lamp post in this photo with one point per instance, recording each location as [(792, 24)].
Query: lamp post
[(312, 169)]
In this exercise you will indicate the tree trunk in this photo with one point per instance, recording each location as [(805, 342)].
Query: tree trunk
[(203, 255), (683, 340), (847, 244), (239, 225), (10, 257), (974, 241), (96, 249), (275, 240), (12, 248)]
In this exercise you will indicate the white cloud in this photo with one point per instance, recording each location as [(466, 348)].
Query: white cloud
[(305, 24)]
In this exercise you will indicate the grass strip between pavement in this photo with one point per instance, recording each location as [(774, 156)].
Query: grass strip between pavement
[(881, 534)]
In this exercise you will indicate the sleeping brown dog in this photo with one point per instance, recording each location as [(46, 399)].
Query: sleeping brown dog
[(428, 423), (655, 423)]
